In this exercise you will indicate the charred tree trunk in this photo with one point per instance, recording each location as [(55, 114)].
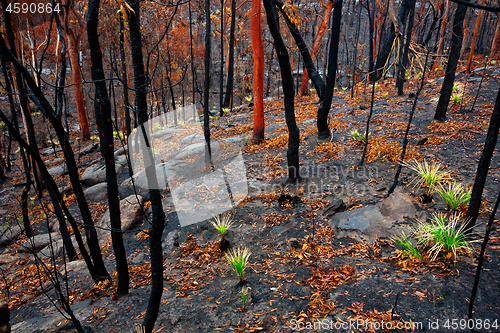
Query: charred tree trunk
[(318, 82), (484, 165), (451, 67), (400, 79), (158, 220), (206, 88), (45, 107), (102, 109), (326, 103), (304, 88), (230, 65), (287, 82), (124, 77)]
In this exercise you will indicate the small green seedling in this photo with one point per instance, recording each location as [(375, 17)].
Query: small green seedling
[(244, 292), (428, 176), (358, 137), (222, 223), (238, 259)]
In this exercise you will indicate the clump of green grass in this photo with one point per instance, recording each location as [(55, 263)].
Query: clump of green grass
[(428, 176), (222, 223), (445, 234), (358, 137), (454, 195), (405, 243), (238, 259)]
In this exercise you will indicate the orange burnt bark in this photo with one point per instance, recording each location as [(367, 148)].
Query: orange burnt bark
[(495, 45), (474, 36), (258, 73), (304, 88), (76, 76)]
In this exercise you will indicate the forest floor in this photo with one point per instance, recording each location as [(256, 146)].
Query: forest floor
[(299, 271)]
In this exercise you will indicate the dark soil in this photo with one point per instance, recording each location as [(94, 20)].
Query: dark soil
[(299, 270)]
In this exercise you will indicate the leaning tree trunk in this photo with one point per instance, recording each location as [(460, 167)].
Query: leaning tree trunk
[(319, 83), (102, 109), (484, 164), (288, 91), (451, 67), (326, 103), (158, 220), (230, 64), (258, 73), (124, 77), (304, 88), (45, 107)]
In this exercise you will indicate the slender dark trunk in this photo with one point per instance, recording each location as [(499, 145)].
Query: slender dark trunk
[(317, 80), (451, 66), (26, 166), (124, 77), (230, 65), (23, 96), (206, 87), (410, 118), (221, 81), (288, 91), (355, 54), (56, 198), (326, 103), (484, 164), (371, 21), (44, 106), (158, 220), (102, 109)]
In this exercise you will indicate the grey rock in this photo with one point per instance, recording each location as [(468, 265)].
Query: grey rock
[(56, 247), (121, 151), (191, 138), (11, 234), (196, 149), (38, 242), (58, 169), (385, 219), (96, 173), (10, 258), (89, 149), (96, 193), (165, 133), (50, 150), (172, 237), (130, 212)]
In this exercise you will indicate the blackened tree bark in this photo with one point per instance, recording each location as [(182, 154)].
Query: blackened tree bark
[(451, 66), (23, 97), (158, 220), (230, 64), (206, 86), (384, 51), (484, 164), (403, 56), (37, 97), (326, 103), (55, 196), (221, 81), (102, 109), (288, 92), (124, 77), (26, 166), (317, 80)]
